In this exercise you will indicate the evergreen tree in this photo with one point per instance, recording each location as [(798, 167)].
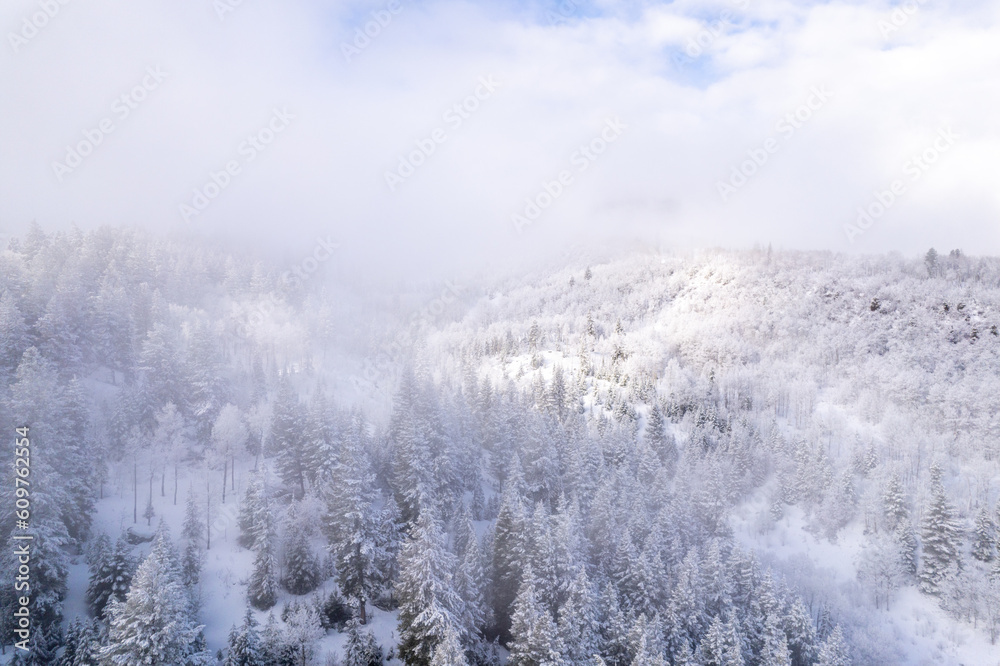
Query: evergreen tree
[(302, 629), (13, 334), (428, 605), (615, 647), (277, 649), (253, 508), (262, 589), (775, 652), (361, 648), (361, 539), (287, 440), (111, 576), (202, 374), (509, 554), (940, 536), (834, 650), (577, 626), (245, 647), (319, 436), (534, 640), (983, 539), (894, 503), (659, 440), (470, 578), (191, 534), (411, 433), (153, 625), (801, 634), (721, 646), (647, 655), (302, 567), (449, 651)]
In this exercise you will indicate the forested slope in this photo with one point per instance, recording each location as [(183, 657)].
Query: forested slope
[(578, 467)]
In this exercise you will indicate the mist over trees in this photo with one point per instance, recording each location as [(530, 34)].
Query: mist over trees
[(582, 467)]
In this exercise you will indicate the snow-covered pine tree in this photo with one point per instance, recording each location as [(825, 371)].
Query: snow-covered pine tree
[(13, 334), (940, 537), (245, 647), (577, 625), (509, 555), (110, 576), (428, 604), (800, 632), (775, 651), (534, 639), (286, 438), (478, 505), (318, 436), (659, 440), (302, 567), (894, 503), (410, 434), (192, 534), (90, 639), (302, 629), (153, 625), (614, 627), (358, 539), (834, 652), (252, 508), (205, 385), (262, 588), (361, 648), (721, 646), (448, 652), (470, 578), (984, 537), (647, 655), (275, 645)]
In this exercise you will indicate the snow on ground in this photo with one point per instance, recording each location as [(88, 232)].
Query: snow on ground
[(927, 635), (226, 567)]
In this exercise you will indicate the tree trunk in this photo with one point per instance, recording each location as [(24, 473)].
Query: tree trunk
[(163, 482), (135, 491), (208, 516), (175, 484), (225, 478), (234, 474), (362, 611)]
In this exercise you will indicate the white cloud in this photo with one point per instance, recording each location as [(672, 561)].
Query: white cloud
[(687, 127)]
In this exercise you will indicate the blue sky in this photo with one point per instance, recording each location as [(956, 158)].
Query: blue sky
[(701, 88)]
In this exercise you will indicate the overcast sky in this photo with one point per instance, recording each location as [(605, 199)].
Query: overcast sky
[(825, 105)]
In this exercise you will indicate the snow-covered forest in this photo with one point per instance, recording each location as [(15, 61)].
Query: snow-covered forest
[(712, 459)]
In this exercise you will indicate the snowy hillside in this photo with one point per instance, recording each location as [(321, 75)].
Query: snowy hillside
[(755, 458)]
